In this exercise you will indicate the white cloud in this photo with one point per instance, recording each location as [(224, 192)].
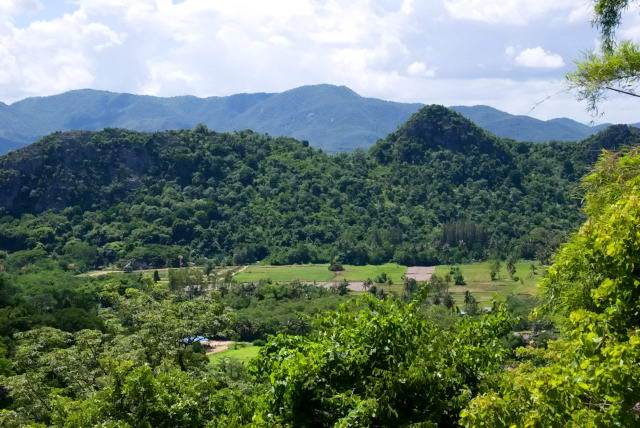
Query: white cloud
[(51, 56), (581, 13), (517, 12), (420, 69), (204, 47), (539, 58), (631, 27), (15, 7)]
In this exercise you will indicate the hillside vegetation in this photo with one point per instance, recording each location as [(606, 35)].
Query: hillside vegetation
[(438, 190), (125, 349)]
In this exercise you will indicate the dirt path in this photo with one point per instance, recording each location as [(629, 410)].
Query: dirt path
[(353, 285), (99, 273), (242, 269), (420, 273), (219, 346)]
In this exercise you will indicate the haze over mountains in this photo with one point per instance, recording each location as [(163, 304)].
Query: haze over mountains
[(333, 118)]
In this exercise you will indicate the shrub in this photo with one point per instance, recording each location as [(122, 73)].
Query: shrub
[(336, 267), (458, 279), (382, 278)]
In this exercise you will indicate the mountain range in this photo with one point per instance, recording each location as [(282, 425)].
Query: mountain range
[(332, 118)]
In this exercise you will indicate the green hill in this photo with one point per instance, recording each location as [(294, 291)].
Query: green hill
[(436, 190)]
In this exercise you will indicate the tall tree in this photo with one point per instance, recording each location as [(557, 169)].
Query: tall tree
[(616, 67)]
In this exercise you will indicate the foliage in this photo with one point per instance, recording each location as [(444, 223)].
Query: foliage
[(336, 267), (521, 306), (142, 200), (139, 370), (494, 269), (383, 278), (456, 273), (264, 309), (341, 288), (190, 282), (616, 68), (511, 266), (378, 363), (590, 376), (470, 304)]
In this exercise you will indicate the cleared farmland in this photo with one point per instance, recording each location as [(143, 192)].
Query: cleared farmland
[(479, 283), (320, 273)]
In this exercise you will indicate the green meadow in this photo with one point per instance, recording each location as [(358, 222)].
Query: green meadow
[(243, 354), (319, 273)]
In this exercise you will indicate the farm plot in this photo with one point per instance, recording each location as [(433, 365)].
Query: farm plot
[(479, 283), (289, 273), (420, 273), (320, 273)]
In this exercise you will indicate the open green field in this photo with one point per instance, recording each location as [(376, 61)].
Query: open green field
[(362, 273), (304, 273), (479, 282), (319, 273), (243, 354)]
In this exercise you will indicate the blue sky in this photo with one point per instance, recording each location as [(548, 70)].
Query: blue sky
[(509, 54)]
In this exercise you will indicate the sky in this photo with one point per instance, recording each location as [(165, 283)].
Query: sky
[(509, 54)]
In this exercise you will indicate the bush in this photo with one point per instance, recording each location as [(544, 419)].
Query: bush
[(458, 279), (383, 278), (259, 342), (336, 267), (342, 288)]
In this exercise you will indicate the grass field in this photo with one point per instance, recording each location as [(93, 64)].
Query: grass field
[(243, 354), (319, 273), (479, 282), (304, 273), (362, 273), (476, 276)]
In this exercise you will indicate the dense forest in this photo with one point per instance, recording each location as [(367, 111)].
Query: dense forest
[(122, 350), (437, 190)]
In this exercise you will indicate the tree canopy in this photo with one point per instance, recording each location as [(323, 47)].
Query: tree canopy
[(438, 190), (616, 67), (590, 376)]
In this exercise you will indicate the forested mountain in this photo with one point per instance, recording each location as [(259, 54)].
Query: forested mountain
[(332, 118), (438, 189)]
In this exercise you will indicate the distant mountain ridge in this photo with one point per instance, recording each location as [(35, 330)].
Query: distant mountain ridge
[(526, 128), (332, 118)]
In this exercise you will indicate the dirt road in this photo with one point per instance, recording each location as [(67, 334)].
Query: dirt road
[(353, 285)]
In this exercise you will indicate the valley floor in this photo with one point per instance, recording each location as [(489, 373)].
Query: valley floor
[(476, 275)]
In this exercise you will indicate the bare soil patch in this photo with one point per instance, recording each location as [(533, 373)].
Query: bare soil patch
[(420, 273), (219, 346)]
